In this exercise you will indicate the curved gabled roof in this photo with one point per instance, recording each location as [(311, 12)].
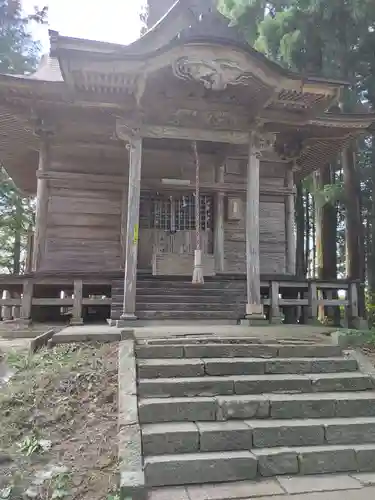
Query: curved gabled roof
[(186, 22)]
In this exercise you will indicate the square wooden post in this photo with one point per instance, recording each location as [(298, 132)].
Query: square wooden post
[(77, 318), (27, 300), (275, 313), (354, 320), (254, 307), (312, 311), (219, 223), (132, 230), (289, 226)]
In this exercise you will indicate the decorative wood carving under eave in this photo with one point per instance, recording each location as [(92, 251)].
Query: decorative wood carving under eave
[(215, 66), (215, 119), (126, 130)]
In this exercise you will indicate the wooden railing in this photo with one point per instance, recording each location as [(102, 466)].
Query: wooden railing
[(21, 295), (303, 300), (284, 298)]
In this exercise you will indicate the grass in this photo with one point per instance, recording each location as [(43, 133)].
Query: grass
[(58, 424)]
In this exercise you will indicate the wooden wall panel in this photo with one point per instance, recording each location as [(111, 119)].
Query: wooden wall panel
[(272, 240), (83, 229)]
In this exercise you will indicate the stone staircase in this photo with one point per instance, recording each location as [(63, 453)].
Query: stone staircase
[(160, 298), (216, 410)]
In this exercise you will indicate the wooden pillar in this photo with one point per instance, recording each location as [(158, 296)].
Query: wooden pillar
[(77, 318), (30, 250), (124, 219), (219, 224), (354, 320), (289, 226), (254, 307), (275, 313), (132, 230), (16, 310), (312, 311), (27, 298), (6, 312), (42, 199)]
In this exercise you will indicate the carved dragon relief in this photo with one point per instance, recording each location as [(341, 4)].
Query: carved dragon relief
[(215, 75)]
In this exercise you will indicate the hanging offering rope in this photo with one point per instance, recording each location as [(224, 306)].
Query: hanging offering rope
[(198, 268)]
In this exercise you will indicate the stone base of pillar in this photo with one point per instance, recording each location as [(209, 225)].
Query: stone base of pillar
[(254, 320), (359, 324), (254, 315), (126, 320), (76, 322), (23, 321), (313, 322), (277, 320)]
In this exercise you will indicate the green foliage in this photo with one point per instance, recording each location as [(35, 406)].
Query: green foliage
[(19, 53), (16, 217)]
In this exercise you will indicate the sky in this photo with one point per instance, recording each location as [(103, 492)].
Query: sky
[(109, 21)]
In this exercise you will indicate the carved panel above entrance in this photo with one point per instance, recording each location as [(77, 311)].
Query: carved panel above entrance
[(215, 74), (213, 119)]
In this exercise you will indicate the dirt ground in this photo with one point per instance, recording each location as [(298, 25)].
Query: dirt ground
[(58, 424)]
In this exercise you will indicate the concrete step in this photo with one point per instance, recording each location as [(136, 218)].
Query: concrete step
[(188, 437), (189, 315), (194, 367), (201, 468), (228, 350), (265, 406), (253, 384)]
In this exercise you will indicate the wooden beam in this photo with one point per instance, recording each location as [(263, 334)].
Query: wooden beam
[(118, 182), (125, 129)]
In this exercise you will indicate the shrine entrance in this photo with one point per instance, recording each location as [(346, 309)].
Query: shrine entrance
[(167, 228)]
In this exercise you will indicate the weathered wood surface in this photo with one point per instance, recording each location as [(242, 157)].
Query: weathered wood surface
[(253, 305), (152, 241), (290, 226), (272, 241), (132, 230), (42, 201), (83, 230)]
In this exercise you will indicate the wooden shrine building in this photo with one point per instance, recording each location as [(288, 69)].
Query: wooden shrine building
[(102, 135)]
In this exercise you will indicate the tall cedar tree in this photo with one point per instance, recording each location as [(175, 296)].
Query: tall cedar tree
[(332, 39), (18, 55)]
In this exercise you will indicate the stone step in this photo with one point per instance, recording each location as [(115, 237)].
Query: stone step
[(189, 315), (208, 298), (189, 437), (208, 285), (201, 468), (213, 350), (166, 368), (253, 384), (187, 307), (265, 406), (211, 338)]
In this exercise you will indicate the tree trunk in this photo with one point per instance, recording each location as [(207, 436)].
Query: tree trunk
[(300, 229), (307, 234), (354, 229), (371, 258)]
